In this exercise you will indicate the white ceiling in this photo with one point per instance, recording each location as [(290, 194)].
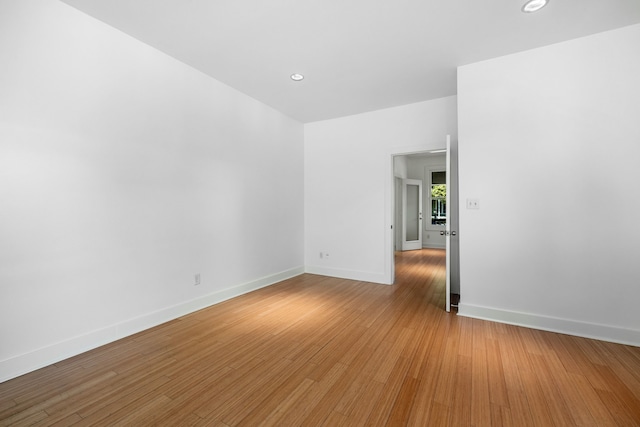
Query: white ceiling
[(356, 55)]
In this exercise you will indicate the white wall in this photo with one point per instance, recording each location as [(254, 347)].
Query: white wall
[(400, 166), (549, 144), (349, 182), (123, 173)]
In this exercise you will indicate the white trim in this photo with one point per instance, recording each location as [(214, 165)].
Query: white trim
[(24, 363), (363, 276), (553, 324), (433, 246)]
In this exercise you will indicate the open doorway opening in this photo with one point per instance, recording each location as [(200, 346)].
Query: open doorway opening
[(439, 208)]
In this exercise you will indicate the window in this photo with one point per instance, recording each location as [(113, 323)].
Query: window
[(438, 198)]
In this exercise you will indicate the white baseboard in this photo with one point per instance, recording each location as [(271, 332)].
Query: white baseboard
[(28, 362), (553, 324), (362, 276), (430, 246)]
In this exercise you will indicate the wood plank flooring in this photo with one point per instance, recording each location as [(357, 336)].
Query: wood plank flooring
[(320, 351)]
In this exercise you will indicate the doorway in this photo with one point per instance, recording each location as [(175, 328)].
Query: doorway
[(418, 164)]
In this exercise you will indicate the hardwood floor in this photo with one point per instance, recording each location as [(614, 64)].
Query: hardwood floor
[(322, 351)]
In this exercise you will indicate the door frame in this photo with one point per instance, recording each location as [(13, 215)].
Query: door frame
[(447, 229), (389, 202)]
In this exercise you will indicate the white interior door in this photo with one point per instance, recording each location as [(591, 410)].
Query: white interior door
[(447, 226), (397, 215), (412, 214)]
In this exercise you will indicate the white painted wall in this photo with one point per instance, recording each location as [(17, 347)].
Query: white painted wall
[(400, 166), (354, 153), (549, 144), (122, 174)]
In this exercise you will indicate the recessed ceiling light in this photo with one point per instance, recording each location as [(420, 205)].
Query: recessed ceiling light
[(297, 77), (534, 5)]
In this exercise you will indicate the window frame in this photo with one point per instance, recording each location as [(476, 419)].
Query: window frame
[(428, 226)]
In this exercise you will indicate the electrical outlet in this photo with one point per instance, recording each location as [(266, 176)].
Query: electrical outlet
[(197, 277), (473, 204)]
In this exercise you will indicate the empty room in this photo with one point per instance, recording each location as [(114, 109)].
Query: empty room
[(319, 213)]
